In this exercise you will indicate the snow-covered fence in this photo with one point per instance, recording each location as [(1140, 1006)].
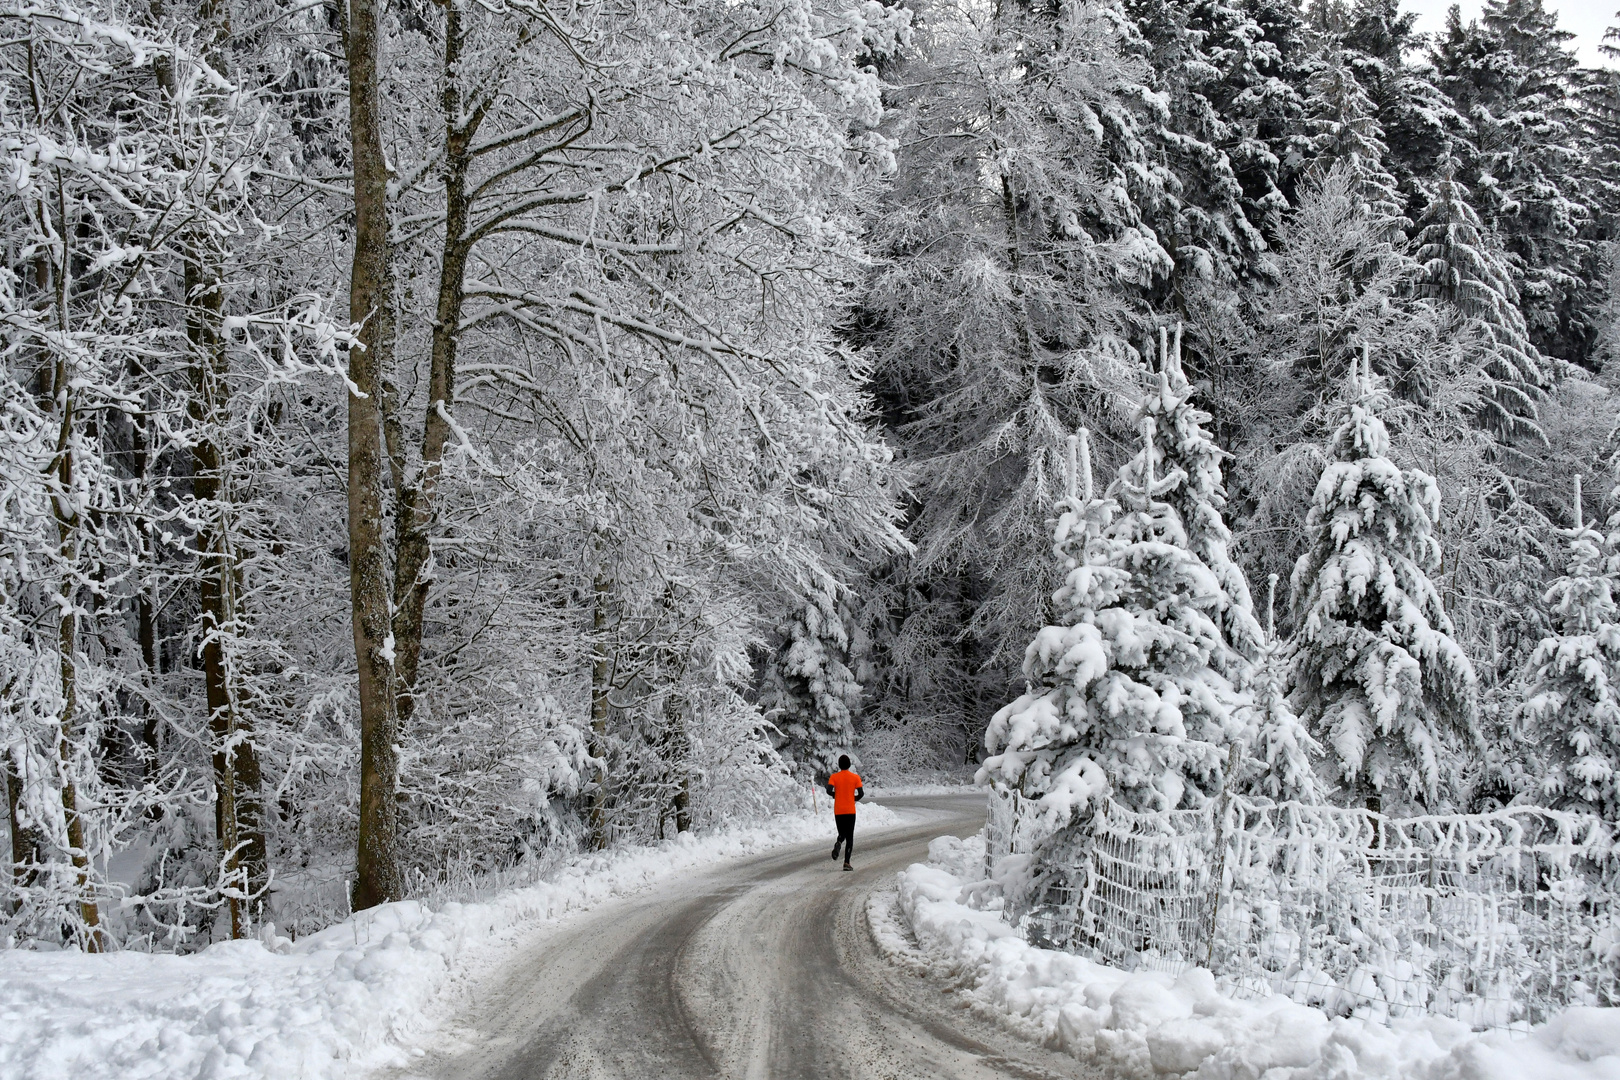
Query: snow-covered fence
[(1011, 829), (1494, 919)]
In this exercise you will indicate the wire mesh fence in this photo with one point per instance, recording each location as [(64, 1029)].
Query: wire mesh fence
[(1012, 828), (1494, 919)]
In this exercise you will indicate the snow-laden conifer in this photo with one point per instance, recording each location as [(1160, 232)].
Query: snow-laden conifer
[(809, 688), (1380, 42), (1205, 61), (1343, 121), (1514, 79), (1125, 693), (1572, 705), (1190, 462), (1462, 267), (1376, 674), (1280, 756)]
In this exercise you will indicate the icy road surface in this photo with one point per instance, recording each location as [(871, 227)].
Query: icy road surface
[(765, 969)]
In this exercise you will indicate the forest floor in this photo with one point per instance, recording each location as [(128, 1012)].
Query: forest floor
[(763, 968)]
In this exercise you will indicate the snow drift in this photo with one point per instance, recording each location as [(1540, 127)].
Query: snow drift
[(334, 1004), (1149, 1024)]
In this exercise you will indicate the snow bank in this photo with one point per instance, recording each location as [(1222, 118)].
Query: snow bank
[(898, 791), (1148, 1024), (332, 1005)]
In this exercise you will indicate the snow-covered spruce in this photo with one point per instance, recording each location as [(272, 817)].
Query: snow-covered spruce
[(1277, 752), (1344, 132), (1125, 692), (1280, 757), (1572, 702), (1376, 674), (1148, 1025), (1461, 268), (1186, 455), (809, 689)]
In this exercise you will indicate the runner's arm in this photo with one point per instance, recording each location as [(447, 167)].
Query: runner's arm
[(860, 791)]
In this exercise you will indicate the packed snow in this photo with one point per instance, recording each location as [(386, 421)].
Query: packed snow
[(334, 1004), (1148, 1024)]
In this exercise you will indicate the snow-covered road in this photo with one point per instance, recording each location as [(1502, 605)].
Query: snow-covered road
[(764, 969)]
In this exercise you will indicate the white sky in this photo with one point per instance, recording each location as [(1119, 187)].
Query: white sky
[(1587, 19)]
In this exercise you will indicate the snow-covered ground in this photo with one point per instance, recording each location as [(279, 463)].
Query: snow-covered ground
[(910, 790), (1149, 1025), (334, 1004)]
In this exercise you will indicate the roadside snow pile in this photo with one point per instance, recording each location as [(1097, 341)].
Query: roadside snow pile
[(332, 1005), (1148, 1024), (897, 791)]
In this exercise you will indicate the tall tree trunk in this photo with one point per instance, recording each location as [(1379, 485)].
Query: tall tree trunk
[(1015, 277), (678, 748), (418, 509), (371, 303), (68, 523), (27, 843), (146, 610), (237, 827), (601, 691)]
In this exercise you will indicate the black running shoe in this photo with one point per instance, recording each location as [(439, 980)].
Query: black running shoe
[(848, 867)]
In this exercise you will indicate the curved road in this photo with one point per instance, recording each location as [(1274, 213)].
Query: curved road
[(763, 969)]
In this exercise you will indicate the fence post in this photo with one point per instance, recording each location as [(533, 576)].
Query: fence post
[(1434, 887), (1222, 806)]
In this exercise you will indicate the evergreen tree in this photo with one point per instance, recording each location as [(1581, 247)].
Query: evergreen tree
[(1013, 250), (1418, 123), (1186, 456), (1572, 706), (809, 689), (1601, 113), (1280, 756), (1342, 281), (1204, 57), (1271, 104), (1460, 268), (1376, 674), (1125, 692), (1512, 77), (1344, 129)]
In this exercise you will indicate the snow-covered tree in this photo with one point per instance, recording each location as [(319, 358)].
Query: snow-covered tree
[(809, 689), (1418, 123), (1345, 131), (1512, 76), (609, 428), (1125, 693), (1188, 458), (1205, 59), (1341, 273), (998, 316), (85, 314), (1376, 674), (1461, 268), (1571, 713), (1279, 756)]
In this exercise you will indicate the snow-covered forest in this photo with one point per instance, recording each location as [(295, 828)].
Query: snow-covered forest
[(440, 437)]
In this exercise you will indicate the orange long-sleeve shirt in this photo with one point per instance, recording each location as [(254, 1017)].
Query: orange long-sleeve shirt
[(846, 788)]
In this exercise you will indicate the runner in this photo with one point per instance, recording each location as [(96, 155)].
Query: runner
[(845, 788)]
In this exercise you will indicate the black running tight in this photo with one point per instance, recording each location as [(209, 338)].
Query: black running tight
[(846, 834)]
